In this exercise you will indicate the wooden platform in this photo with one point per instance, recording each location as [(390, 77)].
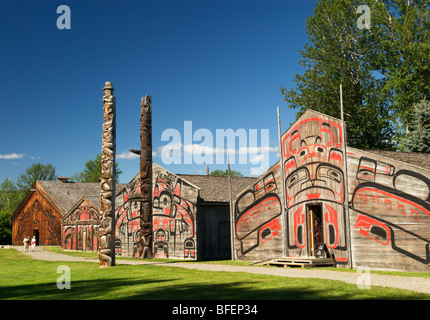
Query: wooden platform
[(301, 262)]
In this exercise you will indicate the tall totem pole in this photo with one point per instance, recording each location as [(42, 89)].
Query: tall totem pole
[(107, 183), (145, 245)]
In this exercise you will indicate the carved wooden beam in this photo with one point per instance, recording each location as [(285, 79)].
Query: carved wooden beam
[(107, 182), (145, 245)]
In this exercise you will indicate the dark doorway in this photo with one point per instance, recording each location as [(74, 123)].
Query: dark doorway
[(36, 234), (224, 239), (315, 227)]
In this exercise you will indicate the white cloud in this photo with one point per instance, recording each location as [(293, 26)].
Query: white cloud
[(127, 155), (198, 148), (257, 158), (12, 156), (257, 150)]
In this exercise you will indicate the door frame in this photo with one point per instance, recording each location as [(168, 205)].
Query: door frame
[(313, 209)]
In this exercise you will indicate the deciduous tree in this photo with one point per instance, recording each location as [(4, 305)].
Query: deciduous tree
[(383, 68), (93, 171), (417, 139), (36, 171)]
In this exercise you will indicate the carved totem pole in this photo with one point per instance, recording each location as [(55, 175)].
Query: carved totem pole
[(145, 245), (107, 183)]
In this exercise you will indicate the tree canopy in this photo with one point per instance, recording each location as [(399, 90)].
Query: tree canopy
[(417, 139), (384, 68), (10, 196), (233, 173), (93, 171), (36, 171)]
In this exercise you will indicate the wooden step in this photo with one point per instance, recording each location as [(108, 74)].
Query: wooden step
[(302, 262)]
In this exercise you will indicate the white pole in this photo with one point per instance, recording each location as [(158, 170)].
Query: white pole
[(231, 212), (345, 170), (284, 196)]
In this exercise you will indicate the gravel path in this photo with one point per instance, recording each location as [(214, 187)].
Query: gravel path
[(407, 283)]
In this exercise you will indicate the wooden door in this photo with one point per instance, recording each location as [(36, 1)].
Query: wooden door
[(315, 227)]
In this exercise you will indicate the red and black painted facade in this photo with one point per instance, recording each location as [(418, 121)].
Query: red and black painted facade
[(373, 211)]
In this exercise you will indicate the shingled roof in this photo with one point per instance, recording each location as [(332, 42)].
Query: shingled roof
[(67, 194), (217, 188), (419, 159)]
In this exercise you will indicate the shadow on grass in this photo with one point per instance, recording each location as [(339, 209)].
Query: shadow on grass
[(129, 289), (36, 280), (80, 290), (230, 291)]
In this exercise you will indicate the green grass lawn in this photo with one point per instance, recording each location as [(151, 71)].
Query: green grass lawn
[(22, 277)]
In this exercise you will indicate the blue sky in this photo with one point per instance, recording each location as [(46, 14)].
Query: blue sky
[(219, 64)]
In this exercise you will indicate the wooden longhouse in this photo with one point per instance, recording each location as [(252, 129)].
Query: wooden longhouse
[(324, 199), (191, 215), (59, 213)]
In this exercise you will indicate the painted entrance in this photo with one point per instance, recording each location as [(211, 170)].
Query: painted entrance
[(315, 228), (300, 200)]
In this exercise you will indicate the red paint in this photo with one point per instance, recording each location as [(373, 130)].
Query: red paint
[(274, 227), (364, 223), (387, 170), (331, 218), (414, 207), (270, 207), (322, 128), (335, 156), (300, 220), (312, 196), (366, 168)]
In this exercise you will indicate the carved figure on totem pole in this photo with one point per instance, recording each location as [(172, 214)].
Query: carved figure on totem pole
[(145, 242), (107, 183)]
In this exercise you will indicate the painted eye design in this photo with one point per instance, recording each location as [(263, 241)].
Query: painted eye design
[(301, 175), (292, 181), (324, 172)]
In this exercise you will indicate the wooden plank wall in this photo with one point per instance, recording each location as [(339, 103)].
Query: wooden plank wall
[(37, 214), (127, 220), (258, 218), (80, 228), (389, 213), (174, 217), (314, 175), (381, 221), (312, 150)]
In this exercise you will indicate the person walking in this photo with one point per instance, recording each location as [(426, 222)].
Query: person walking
[(33, 243), (25, 241)]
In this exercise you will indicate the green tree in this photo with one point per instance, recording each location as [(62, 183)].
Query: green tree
[(93, 171), (371, 64), (10, 196), (417, 139), (36, 171), (219, 172), (5, 227), (399, 48)]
